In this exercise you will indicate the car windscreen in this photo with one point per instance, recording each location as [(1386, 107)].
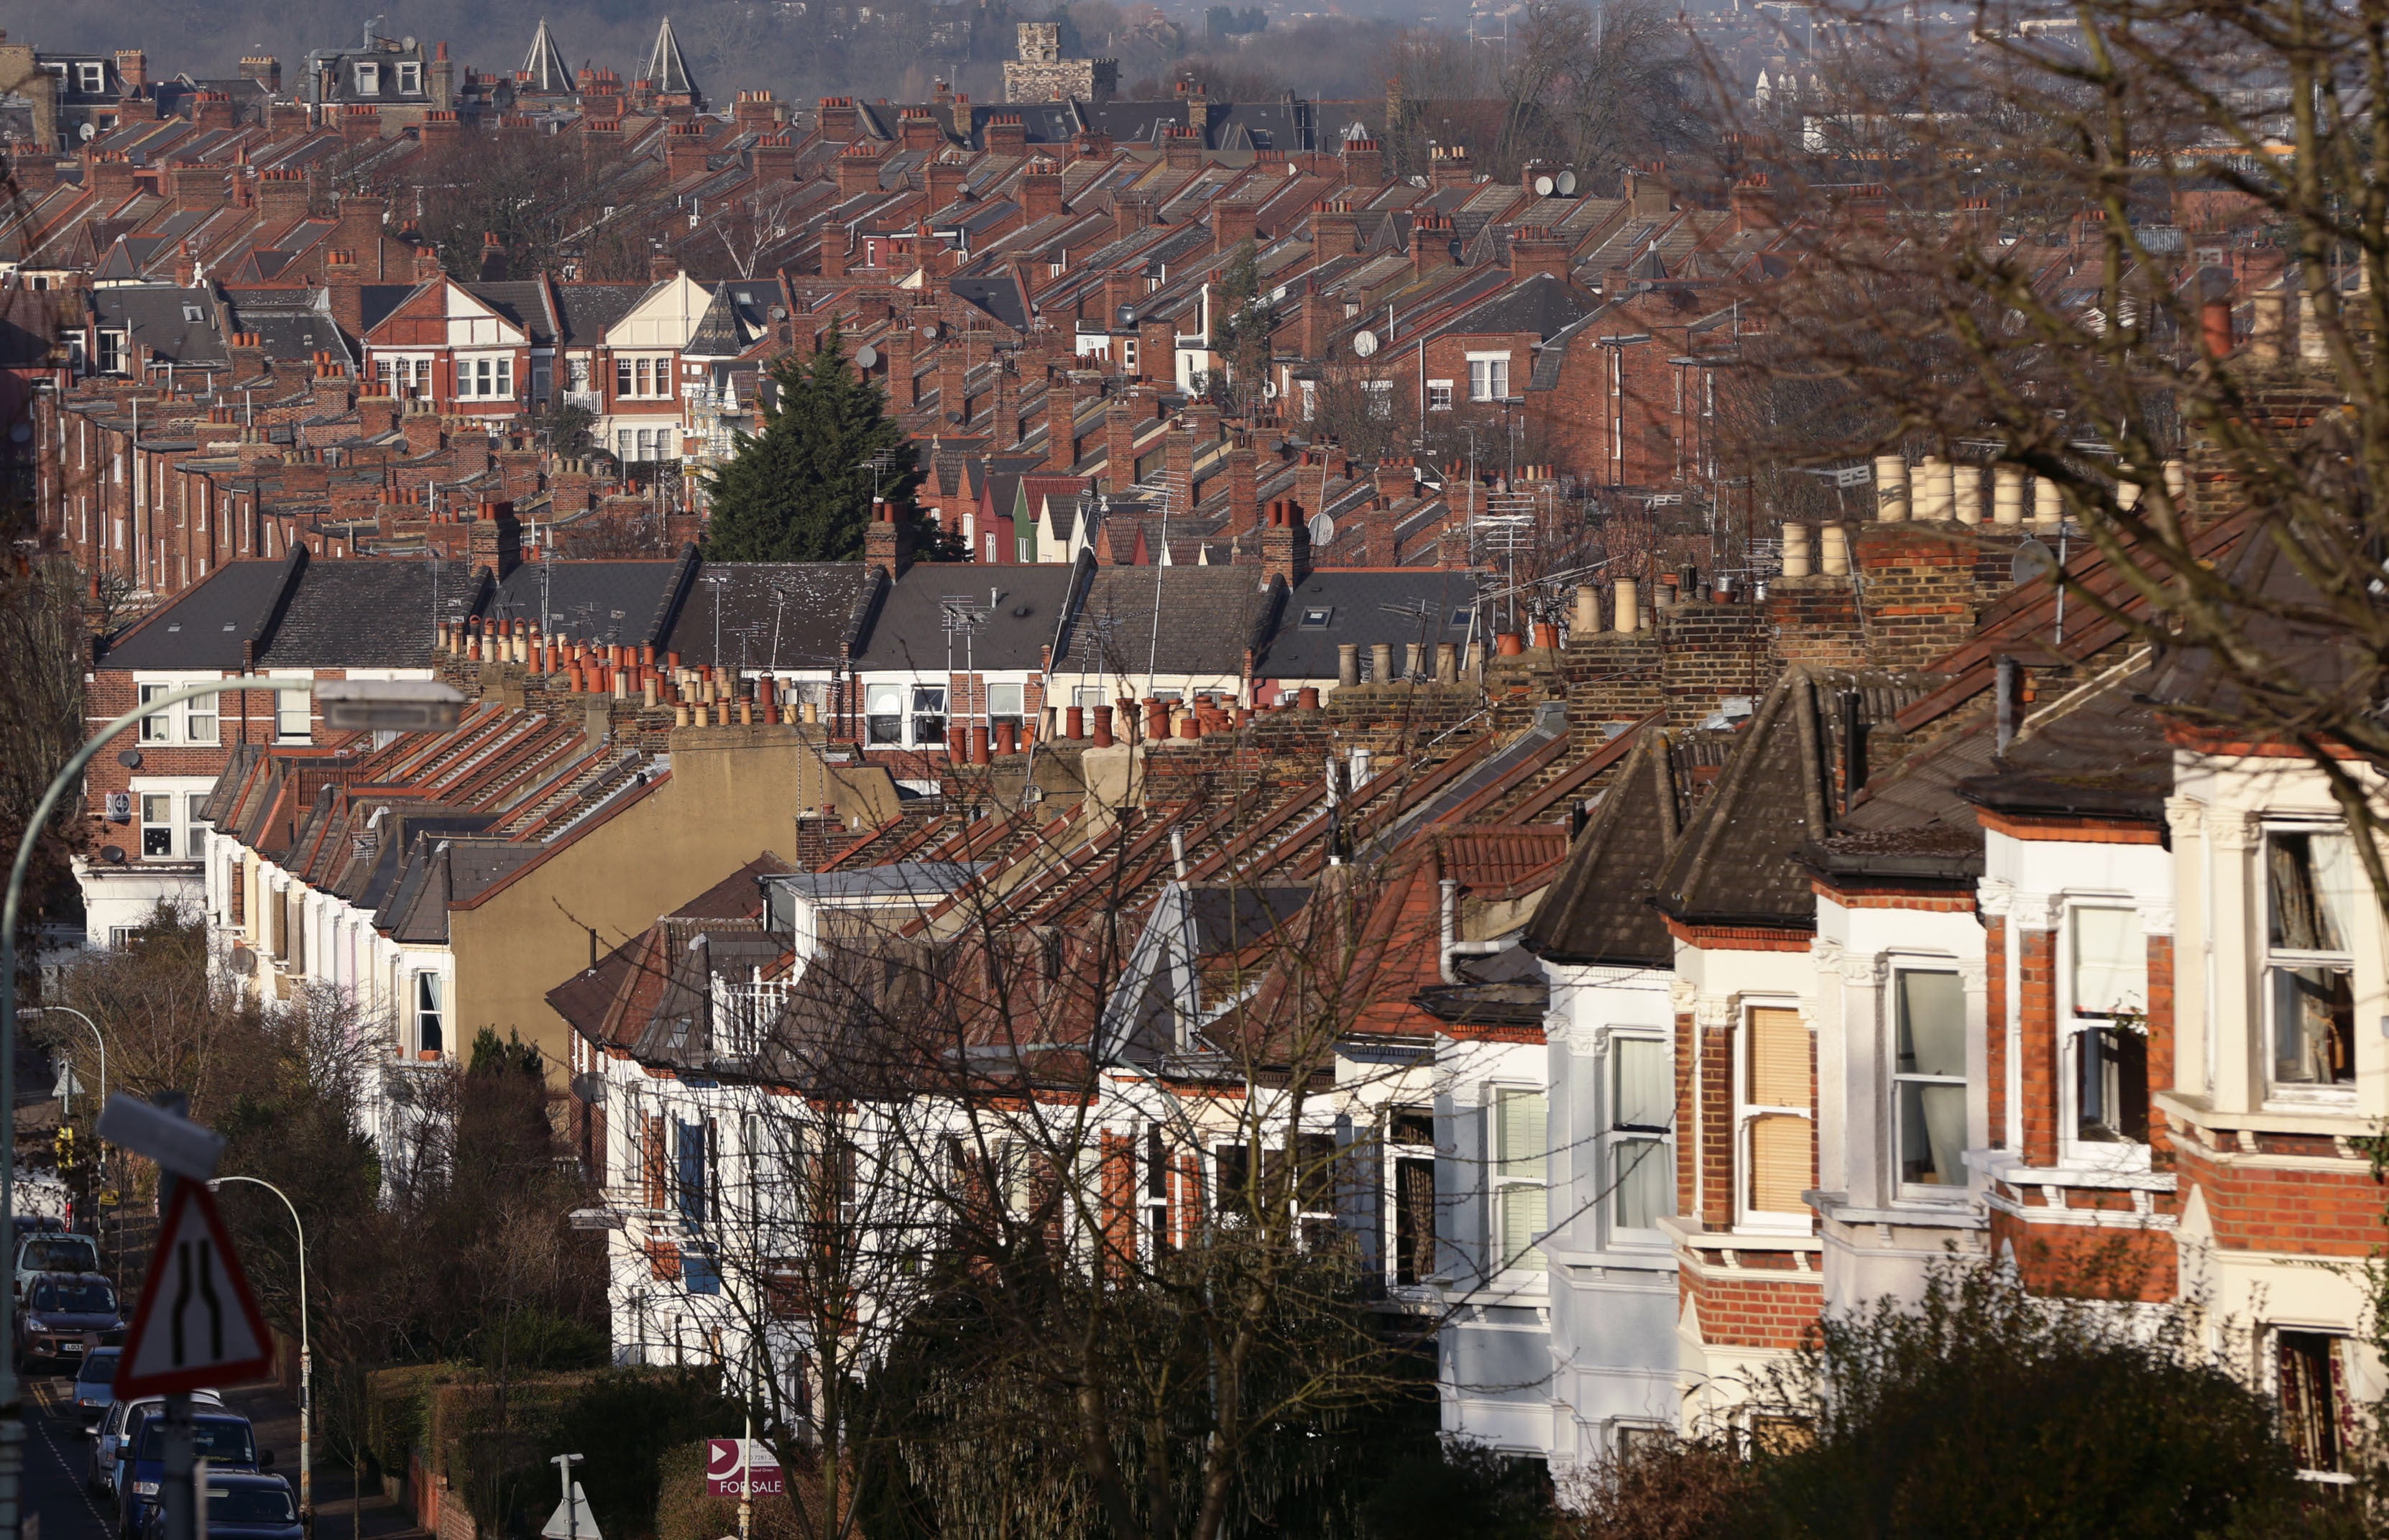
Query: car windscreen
[(64, 1253), (250, 1505), (77, 1298), (224, 1439), (98, 1370)]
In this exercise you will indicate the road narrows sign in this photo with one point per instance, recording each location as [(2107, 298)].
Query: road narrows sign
[(197, 1325)]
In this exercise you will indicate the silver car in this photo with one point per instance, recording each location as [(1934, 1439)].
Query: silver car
[(108, 1435)]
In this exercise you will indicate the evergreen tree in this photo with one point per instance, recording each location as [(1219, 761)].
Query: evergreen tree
[(801, 490)]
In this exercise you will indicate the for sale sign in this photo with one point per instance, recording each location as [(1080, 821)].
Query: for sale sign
[(729, 1462)]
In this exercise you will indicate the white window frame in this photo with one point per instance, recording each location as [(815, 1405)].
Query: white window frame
[(368, 80), (1500, 1183), (168, 825), (1379, 396), (1007, 701), (879, 693), (485, 376), (2077, 1024), (181, 796), (1488, 375), (1746, 1113), (91, 77), (1895, 1077), (165, 726), (920, 710), (284, 710), (1438, 395), (419, 1007), (410, 78), (1615, 1138), (2294, 1093)]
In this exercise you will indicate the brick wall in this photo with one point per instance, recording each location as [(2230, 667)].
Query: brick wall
[(2082, 1262), (2161, 1045), (1754, 1311), (1710, 651), (1917, 593), (2319, 1213), (2037, 1088), (1715, 1124), (1816, 622)]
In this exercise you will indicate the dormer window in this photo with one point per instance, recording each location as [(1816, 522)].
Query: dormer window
[(368, 80), (91, 78), (410, 79)]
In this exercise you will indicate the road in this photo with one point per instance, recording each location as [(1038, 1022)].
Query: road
[(55, 1457)]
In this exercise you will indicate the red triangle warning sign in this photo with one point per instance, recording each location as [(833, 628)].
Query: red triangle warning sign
[(197, 1325)]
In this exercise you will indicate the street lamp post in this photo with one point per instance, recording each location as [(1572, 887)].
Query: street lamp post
[(99, 1150), (401, 705), (306, 1362), (71, 1011)]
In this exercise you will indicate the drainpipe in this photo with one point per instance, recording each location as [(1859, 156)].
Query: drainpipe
[(1452, 947)]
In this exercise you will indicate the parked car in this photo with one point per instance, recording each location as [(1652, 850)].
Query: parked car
[(56, 1252), (65, 1317), (225, 1441), (94, 1384), (239, 1508), (109, 1436)]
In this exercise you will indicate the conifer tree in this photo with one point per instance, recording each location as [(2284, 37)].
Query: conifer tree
[(801, 490)]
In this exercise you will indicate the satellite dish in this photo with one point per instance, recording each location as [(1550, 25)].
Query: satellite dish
[(407, 44), (86, 131), (1269, 390), (1323, 529), (866, 356), (130, 759), (2032, 560), (1566, 184), (1364, 343), (1543, 185), (113, 854)]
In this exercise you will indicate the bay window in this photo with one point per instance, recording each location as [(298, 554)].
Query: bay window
[(2310, 1002), (2108, 976), (1929, 1078), (1775, 1117), (1635, 1169), (1519, 1162)]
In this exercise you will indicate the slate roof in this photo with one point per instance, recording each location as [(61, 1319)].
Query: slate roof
[(1209, 617), (1736, 864), (773, 614), (908, 632), (1598, 910), (633, 602), (2098, 751), (179, 323), (298, 612), (1365, 606), (585, 310)]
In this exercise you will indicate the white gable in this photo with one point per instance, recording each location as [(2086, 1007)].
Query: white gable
[(472, 323), (666, 317)]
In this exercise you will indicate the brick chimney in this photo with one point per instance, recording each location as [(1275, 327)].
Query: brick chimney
[(1061, 410), (1535, 249), (441, 129), (1395, 479), (1231, 223), (495, 542), (758, 112), (193, 188), (210, 110), (898, 346), (1285, 542), (661, 266), (1004, 133), (360, 126), (133, 65), (281, 199), (1315, 322), (1156, 351), (1120, 422), (1753, 203), (1448, 166), (344, 290), (109, 175), (858, 170), (1435, 245), (360, 229), (377, 411), (837, 120), (1364, 162), (421, 425), (265, 68), (944, 180), (1130, 214), (1181, 150), (953, 378), (1039, 191), (775, 158), (1243, 490), (888, 539), (684, 151), (1178, 458), (1334, 231), (916, 129)]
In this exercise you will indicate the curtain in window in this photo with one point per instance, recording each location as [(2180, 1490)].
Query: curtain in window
[(2313, 882), (1521, 1140), (1646, 1094)]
